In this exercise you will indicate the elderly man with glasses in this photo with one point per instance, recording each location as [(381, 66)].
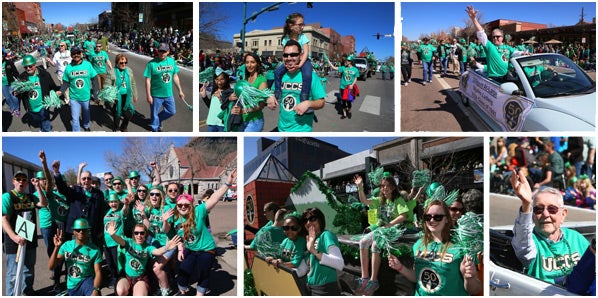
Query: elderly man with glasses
[(547, 250)]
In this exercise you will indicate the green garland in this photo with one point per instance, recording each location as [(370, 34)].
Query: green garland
[(249, 284)]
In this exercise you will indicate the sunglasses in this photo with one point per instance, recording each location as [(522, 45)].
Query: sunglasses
[(117, 183), (142, 233), (292, 228), (123, 62), (497, 36), (21, 179), (85, 178), (312, 218), (108, 179), (300, 24), (134, 178), (80, 230), (455, 209), (552, 209), (62, 46), (154, 194), (437, 217), (141, 190), (173, 190), (29, 66), (183, 205), (286, 55)]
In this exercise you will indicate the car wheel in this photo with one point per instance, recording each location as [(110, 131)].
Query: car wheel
[(464, 100)]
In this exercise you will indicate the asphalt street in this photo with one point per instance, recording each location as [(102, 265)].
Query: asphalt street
[(223, 278), (101, 118), (372, 111)]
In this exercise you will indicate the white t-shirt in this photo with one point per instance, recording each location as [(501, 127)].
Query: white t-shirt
[(61, 60)]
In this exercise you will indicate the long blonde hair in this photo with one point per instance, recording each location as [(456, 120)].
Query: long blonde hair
[(446, 230)]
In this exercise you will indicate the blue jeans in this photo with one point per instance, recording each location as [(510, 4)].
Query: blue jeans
[(255, 125), (427, 71), (41, 119), (159, 116), (444, 64), (80, 108), (462, 67), (215, 128), (84, 288), (383, 76), (28, 272), (11, 99)]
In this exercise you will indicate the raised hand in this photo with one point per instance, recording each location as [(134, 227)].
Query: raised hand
[(167, 215), (111, 228), (58, 241), (174, 242), (522, 188)]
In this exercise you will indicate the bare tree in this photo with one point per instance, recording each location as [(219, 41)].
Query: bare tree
[(210, 20), (138, 154)]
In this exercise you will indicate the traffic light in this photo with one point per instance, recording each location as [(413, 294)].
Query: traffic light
[(378, 35)]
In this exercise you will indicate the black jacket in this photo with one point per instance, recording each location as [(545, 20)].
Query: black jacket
[(46, 82)]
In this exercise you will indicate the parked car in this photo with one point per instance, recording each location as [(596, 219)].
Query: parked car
[(506, 276), (543, 92)]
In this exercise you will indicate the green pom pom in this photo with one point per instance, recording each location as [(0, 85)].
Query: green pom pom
[(249, 96), (51, 101), (420, 178), (108, 94), (469, 234), (376, 175), (20, 87), (207, 75)]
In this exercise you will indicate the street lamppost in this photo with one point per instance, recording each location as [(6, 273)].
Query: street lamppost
[(271, 7), (179, 172)]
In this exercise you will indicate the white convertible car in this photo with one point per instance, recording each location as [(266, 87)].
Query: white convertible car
[(506, 276), (543, 92)]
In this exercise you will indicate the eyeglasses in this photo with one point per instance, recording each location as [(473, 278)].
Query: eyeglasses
[(123, 62), (80, 230), (552, 209), (286, 55), (312, 218), (183, 205), (300, 24), (21, 179), (154, 194), (497, 36), (117, 183), (141, 190), (85, 178), (455, 209), (108, 179), (173, 190), (437, 217), (292, 228), (139, 233), (29, 66)]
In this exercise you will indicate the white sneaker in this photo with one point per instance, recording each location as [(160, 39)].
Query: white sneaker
[(406, 84), (424, 83)]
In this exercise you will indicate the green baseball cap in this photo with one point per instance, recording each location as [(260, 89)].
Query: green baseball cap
[(81, 224), (133, 174)]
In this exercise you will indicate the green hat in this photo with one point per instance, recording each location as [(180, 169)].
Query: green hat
[(113, 197), (133, 174), (117, 178), (29, 60), (403, 43), (40, 175), (432, 188), (350, 58), (80, 224), (462, 40)]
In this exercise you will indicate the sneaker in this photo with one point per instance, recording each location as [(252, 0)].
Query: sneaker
[(409, 81), (86, 129), (361, 285), (430, 81), (406, 83), (343, 117), (424, 83), (371, 287), (349, 115), (18, 113)]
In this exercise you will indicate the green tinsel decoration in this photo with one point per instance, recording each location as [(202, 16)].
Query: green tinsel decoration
[(251, 96), (207, 75), (441, 195), (20, 87), (108, 94), (384, 237), (469, 234), (51, 101), (249, 286), (420, 178), (375, 176), (265, 246)]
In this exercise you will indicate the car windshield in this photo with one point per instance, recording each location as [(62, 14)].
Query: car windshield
[(555, 75)]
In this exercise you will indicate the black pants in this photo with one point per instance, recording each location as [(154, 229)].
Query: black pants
[(406, 72), (126, 114)]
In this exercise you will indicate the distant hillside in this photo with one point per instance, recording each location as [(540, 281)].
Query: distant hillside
[(214, 149)]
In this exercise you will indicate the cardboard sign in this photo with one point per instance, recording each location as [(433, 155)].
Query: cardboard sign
[(25, 228), (508, 111)]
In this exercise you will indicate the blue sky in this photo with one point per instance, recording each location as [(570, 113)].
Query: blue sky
[(69, 150), (360, 19), (431, 17), (70, 13), (350, 145)]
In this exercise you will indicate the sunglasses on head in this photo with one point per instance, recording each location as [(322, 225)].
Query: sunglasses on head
[(437, 217), (552, 209), (286, 55), (292, 228), (139, 233)]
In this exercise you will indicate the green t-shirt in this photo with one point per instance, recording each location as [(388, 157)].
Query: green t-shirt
[(437, 273), (267, 240), (35, 96), (98, 60), (119, 218), (136, 257), (161, 74), (348, 75), (79, 77), (557, 259), (293, 251), (497, 59), (89, 46), (5, 79), (427, 52), (289, 121), (214, 110), (321, 274), (56, 211), (156, 224), (257, 114), (80, 261), (200, 238)]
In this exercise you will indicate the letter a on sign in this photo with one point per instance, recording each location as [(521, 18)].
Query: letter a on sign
[(25, 228)]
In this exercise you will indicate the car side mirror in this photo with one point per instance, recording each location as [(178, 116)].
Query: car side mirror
[(510, 88)]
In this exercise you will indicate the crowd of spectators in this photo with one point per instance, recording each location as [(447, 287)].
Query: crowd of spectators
[(147, 42)]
